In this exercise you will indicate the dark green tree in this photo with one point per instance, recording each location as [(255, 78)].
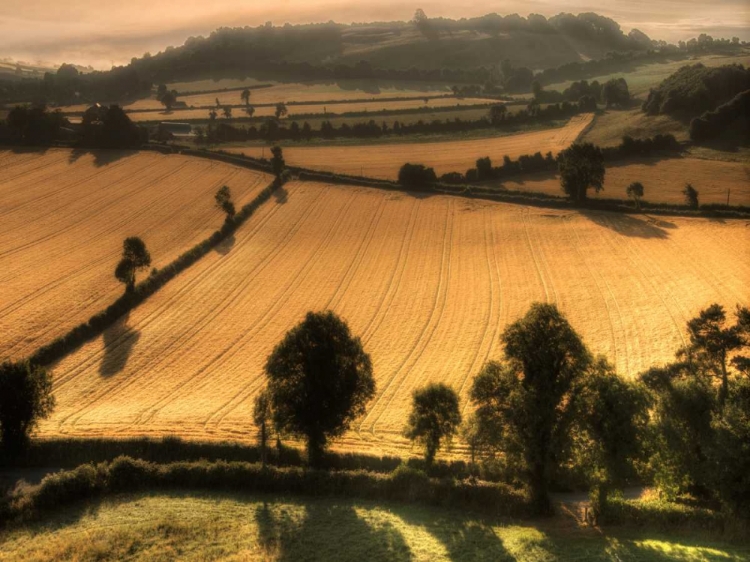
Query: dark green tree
[(635, 192), (245, 96), (497, 113), (262, 416), (168, 99), (227, 110), (525, 403), (691, 196), (581, 167), (281, 110), (434, 419), (25, 398), (223, 199), (277, 161), (135, 257), (615, 93), (320, 380)]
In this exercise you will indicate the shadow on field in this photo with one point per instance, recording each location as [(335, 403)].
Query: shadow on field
[(119, 341), (631, 225), (281, 195), (225, 246), (102, 157)]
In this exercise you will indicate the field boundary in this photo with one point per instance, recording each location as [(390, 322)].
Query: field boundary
[(102, 320)]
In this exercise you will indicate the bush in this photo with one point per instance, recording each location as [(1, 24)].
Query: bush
[(416, 175)]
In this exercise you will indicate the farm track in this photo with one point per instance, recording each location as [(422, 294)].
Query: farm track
[(65, 214), (428, 283)]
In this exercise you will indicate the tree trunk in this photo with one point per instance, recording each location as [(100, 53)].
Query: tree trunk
[(263, 440), (540, 502), (724, 391), (315, 449)]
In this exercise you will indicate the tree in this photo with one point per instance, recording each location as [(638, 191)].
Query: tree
[(281, 110), (611, 419), (262, 415), (212, 115), (277, 161), (245, 96), (484, 168), (227, 110), (218, 104), (223, 199), (416, 175), (25, 398), (581, 167), (524, 404), (250, 110), (435, 418), (160, 91), (615, 92), (169, 99), (320, 380), (135, 256), (497, 113), (635, 192), (691, 196)]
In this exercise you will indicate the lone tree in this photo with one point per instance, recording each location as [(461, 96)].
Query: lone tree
[(435, 418), (525, 403), (635, 192), (223, 199), (277, 161), (581, 167), (135, 256), (227, 111), (281, 110), (245, 96), (691, 196), (25, 398), (497, 114), (615, 92), (169, 99), (320, 380), (262, 415), (416, 175), (250, 110)]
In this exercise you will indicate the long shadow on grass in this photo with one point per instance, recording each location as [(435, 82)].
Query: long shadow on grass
[(327, 531), (102, 157), (119, 341), (631, 225), (225, 246)]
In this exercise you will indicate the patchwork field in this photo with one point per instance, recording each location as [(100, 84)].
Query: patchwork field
[(64, 215), (264, 528), (315, 109), (384, 161), (428, 282), (663, 181)]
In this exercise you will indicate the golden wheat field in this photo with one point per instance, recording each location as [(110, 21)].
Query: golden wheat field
[(64, 215), (663, 180), (427, 282), (384, 161), (314, 109)]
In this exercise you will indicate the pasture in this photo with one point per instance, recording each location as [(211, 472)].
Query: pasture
[(64, 217), (384, 161), (427, 282), (663, 180)]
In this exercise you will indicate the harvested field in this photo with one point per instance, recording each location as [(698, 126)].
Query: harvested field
[(428, 282), (384, 161), (316, 109), (64, 217), (663, 180)]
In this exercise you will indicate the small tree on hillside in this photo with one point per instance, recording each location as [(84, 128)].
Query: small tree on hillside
[(218, 104), (227, 110), (581, 167), (435, 418), (635, 192), (497, 113), (319, 380), (525, 403), (25, 398), (135, 257), (169, 99), (250, 110), (223, 199), (691, 196), (277, 161), (281, 110), (245, 96), (262, 415), (615, 92)]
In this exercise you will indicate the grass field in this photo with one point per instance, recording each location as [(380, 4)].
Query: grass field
[(609, 128), (64, 215), (428, 282), (384, 161), (374, 107), (663, 180), (260, 528)]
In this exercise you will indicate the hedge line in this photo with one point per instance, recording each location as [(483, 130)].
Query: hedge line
[(126, 475), (102, 320)]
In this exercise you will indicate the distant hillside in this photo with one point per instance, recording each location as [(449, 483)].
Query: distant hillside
[(694, 89)]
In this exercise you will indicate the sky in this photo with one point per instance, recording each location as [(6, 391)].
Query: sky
[(106, 32)]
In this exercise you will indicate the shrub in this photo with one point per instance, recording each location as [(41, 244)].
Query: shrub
[(416, 175)]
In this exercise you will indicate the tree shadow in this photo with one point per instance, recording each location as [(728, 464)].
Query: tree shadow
[(226, 245), (327, 531), (102, 156), (630, 225), (281, 195), (119, 341)]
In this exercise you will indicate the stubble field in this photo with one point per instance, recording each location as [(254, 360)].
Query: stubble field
[(384, 161), (427, 282), (64, 215)]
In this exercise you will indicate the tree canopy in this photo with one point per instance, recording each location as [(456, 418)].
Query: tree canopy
[(581, 168), (25, 398), (434, 419)]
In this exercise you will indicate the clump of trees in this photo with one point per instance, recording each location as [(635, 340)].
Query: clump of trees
[(416, 175), (135, 257), (25, 399), (223, 198), (34, 125), (435, 418), (615, 93), (735, 112), (581, 168), (319, 381)]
